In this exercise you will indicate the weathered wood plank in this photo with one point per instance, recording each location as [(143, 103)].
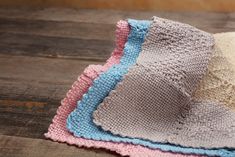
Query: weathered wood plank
[(168, 5), (26, 118), (81, 30), (38, 79), (49, 32), (31, 90), (26, 147), (44, 46), (15, 123), (200, 19), (65, 14)]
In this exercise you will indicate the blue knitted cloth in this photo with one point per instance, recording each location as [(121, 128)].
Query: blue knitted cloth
[(80, 121)]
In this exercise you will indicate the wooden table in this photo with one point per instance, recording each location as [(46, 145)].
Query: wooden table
[(42, 51)]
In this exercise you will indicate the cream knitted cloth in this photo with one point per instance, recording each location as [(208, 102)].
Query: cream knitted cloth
[(219, 81), (154, 101)]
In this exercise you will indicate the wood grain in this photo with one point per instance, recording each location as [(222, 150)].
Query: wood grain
[(59, 47), (81, 30), (25, 118), (207, 20), (167, 5), (26, 147), (83, 34), (36, 78), (31, 90)]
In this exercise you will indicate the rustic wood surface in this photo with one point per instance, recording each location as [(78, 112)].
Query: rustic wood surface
[(147, 5), (42, 51)]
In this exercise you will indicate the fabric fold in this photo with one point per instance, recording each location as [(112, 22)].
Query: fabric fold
[(154, 100), (80, 120), (57, 130)]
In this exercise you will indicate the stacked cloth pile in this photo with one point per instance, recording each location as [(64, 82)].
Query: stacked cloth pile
[(168, 90)]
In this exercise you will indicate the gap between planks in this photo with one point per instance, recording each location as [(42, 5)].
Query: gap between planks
[(26, 147)]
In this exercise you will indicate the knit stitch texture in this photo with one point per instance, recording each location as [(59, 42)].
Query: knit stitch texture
[(57, 130), (154, 98), (219, 82), (80, 121)]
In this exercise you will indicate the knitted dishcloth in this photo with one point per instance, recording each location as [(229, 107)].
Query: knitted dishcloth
[(57, 130), (155, 97), (219, 82), (92, 132)]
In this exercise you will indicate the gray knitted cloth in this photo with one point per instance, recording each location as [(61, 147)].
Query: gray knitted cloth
[(154, 100)]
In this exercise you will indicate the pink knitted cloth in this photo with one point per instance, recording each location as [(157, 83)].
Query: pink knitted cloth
[(57, 130)]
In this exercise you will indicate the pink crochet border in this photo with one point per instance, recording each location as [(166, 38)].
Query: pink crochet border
[(57, 130)]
